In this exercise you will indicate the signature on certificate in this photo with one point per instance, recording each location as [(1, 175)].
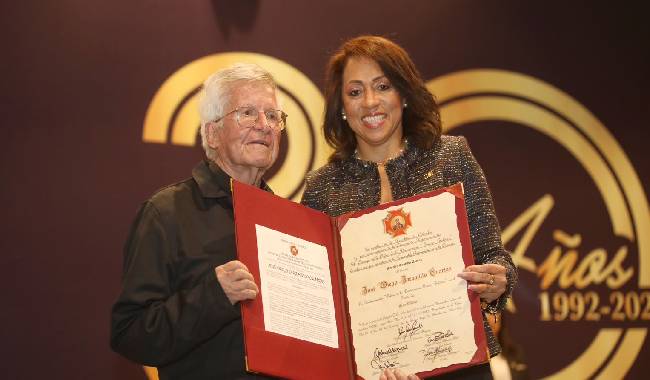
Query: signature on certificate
[(431, 353), (406, 329), (439, 335), (384, 357)]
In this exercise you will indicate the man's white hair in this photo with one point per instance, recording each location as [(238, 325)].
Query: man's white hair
[(216, 94)]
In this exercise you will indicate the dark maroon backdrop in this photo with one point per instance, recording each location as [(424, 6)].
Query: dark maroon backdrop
[(77, 77)]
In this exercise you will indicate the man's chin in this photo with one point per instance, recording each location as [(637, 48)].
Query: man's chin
[(262, 163)]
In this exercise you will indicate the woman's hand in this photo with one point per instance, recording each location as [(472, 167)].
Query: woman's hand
[(488, 280), (396, 374)]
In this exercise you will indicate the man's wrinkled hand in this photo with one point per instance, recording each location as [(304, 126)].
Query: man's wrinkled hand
[(236, 281)]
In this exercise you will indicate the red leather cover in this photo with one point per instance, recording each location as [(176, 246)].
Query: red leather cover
[(287, 357), (482, 354), (268, 352)]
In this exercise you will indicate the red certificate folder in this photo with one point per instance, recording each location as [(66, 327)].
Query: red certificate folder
[(287, 357)]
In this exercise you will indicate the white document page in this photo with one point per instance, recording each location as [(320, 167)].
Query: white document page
[(408, 308), (296, 287)]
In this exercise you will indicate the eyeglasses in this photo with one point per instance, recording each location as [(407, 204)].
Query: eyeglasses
[(247, 117)]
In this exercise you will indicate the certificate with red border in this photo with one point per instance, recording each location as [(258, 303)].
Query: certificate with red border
[(345, 297)]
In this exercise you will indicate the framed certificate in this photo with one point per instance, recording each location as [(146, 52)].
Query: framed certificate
[(349, 296)]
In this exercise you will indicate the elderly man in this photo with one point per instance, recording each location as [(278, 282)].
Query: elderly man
[(178, 309)]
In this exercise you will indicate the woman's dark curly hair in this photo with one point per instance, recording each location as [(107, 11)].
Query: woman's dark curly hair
[(420, 120)]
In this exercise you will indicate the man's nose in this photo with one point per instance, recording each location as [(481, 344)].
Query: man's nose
[(261, 122)]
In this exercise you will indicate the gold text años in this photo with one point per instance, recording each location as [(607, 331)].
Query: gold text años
[(564, 265), (403, 280)]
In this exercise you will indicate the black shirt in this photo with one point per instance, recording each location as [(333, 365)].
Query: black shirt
[(172, 312)]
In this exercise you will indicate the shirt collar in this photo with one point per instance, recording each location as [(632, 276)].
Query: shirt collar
[(214, 182)]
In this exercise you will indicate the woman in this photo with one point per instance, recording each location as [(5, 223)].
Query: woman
[(385, 129)]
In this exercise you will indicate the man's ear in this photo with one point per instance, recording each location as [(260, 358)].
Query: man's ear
[(211, 135)]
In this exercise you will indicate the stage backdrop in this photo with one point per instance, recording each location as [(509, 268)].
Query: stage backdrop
[(99, 110)]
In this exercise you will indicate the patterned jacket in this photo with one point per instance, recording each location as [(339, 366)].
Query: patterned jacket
[(353, 184)]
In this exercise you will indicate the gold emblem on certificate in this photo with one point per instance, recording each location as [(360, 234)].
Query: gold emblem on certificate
[(396, 222), (294, 250)]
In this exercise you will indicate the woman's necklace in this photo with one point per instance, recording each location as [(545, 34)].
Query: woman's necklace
[(383, 162), (399, 153)]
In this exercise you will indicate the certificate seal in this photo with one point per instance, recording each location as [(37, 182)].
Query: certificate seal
[(397, 222)]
